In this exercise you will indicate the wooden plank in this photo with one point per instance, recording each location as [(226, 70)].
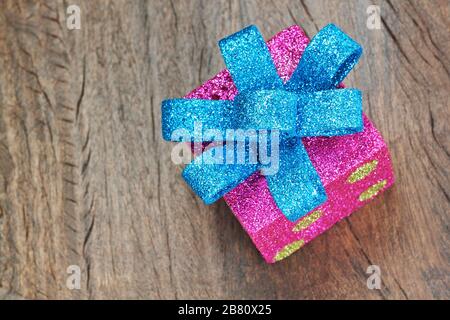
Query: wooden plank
[(86, 180)]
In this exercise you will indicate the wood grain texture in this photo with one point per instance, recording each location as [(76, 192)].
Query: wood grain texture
[(86, 179)]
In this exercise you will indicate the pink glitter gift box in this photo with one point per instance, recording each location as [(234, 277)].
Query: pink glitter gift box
[(353, 168)]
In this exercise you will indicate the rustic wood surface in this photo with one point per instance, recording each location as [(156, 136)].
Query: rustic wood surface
[(86, 179)]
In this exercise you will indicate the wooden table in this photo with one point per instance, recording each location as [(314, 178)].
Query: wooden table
[(86, 179)]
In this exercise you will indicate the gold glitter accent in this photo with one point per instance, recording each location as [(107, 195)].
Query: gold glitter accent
[(307, 221), (289, 249), (362, 171), (372, 191)]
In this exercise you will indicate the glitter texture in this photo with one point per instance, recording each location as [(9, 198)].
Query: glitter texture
[(334, 159), (362, 171)]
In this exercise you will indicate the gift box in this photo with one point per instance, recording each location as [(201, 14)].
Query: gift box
[(353, 167)]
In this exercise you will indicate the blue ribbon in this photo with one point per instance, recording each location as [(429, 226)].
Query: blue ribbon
[(307, 105)]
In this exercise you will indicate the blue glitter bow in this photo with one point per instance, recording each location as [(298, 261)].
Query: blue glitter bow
[(307, 105)]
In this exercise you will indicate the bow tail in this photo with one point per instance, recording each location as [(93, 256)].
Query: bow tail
[(216, 172), (296, 187)]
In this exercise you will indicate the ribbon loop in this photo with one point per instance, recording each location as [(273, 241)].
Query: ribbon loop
[(189, 120), (248, 60), (330, 113), (327, 60)]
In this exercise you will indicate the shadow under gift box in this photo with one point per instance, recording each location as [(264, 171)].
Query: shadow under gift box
[(353, 168)]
